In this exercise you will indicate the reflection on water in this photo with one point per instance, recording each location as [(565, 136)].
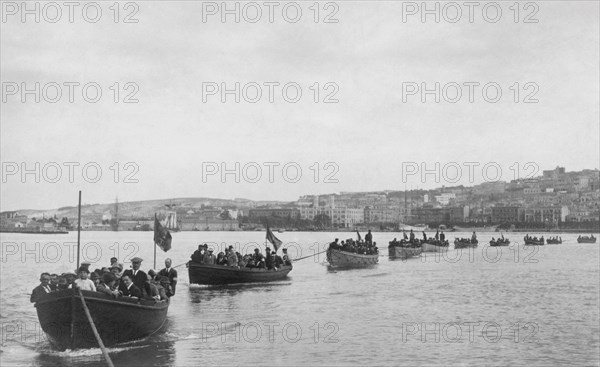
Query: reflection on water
[(513, 305)]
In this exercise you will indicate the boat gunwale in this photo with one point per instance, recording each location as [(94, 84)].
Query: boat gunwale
[(52, 297), (226, 268), (355, 254)]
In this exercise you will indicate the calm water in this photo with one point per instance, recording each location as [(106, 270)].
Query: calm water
[(491, 306)]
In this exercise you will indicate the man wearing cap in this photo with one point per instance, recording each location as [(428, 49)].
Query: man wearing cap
[(170, 273), (84, 265), (137, 276), (41, 289)]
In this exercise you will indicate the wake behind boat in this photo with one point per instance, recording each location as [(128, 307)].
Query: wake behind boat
[(118, 320)]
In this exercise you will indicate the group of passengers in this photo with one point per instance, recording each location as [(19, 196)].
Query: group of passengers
[(528, 238), (113, 281), (270, 261), (361, 247)]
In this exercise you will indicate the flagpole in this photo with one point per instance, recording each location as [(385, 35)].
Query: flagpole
[(79, 229), (155, 219)]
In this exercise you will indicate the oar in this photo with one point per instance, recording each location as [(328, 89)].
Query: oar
[(100, 343)]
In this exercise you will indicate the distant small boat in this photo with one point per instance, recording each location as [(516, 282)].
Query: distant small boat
[(554, 241), (434, 246), (281, 230), (500, 242), (404, 249), (341, 258), (586, 239), (465, 243), (532, 242)]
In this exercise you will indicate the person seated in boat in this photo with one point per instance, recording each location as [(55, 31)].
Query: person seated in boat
[(542, 239), (151, 274), (170, 273), (473, 237), (276, 260), (164, 288), (361, 250), (221, 259), (116, 271), (198, 255), (369, 237), (83, 282), (259, 259), (115, 262), (241, 260), (108, 285), (62, 283), (95, 278), (249, 260), (411, 236), (153, 293), (287, 260), (42, 289), (128, 288), (137, 276), (335, 245), (54, 282), (232, 259), (210, 259)]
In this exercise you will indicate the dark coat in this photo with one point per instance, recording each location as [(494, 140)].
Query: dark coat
[(133, 291), (139, 279), (37, 293), (172, 275)]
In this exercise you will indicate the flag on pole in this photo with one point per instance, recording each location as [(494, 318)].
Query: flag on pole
[(358, 234), (162, 236), (274, 240)]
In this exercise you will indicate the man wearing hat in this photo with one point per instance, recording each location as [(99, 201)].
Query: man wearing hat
[(210, 257), (137, 276), (84, 265), (170, 273)]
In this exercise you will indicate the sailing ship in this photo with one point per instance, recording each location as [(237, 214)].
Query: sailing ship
[(171, 222)]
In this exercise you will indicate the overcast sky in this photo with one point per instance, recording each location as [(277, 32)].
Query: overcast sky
[(370, 136)]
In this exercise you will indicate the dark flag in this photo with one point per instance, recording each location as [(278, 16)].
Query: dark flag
[(274, 240), (358, 234), (162, 236)]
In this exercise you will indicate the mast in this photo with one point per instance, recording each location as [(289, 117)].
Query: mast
[(78, 230)]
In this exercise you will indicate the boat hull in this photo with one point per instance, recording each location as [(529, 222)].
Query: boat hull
[(497, 244), (534, 243), (429, 247), (402, 252), (219, 274), (121, 320), (586, 240), (349, 259), (460, 244)]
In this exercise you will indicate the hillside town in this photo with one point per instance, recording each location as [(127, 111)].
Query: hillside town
[(557, 200)]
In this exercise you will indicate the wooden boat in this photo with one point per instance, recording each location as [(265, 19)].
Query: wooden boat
[(118, 320), (341, 258), (585, 239), (404, 250), (220, 274), (434, 246), (553, 241), (530, 242), (500, 242), (462, 243)]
